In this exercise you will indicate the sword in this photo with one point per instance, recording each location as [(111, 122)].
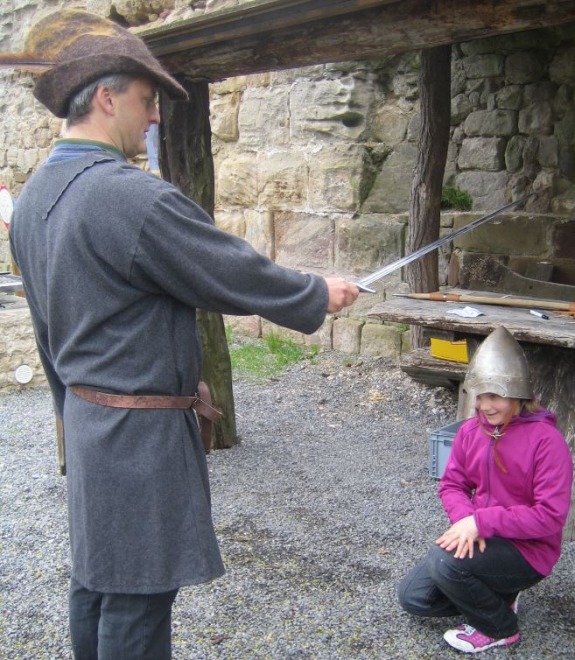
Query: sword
[(363, 283)]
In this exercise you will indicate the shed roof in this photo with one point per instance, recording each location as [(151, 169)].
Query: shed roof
[(267, 35)]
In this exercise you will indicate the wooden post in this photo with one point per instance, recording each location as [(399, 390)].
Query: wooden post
[(186, 160), (425, 203)]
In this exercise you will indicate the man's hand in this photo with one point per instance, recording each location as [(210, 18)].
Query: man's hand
[(461, 537), (341, 294)]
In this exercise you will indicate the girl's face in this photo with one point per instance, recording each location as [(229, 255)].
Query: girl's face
[(496, 409)]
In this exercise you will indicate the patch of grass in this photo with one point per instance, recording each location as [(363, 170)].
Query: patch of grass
[(266, 357), (453, 198)]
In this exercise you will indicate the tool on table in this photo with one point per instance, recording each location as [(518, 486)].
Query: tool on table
[(541, 315), (565, 307)]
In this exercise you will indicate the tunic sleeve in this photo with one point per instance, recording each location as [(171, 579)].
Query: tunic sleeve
[(180, 252)]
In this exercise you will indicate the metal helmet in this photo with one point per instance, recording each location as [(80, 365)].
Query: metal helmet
[(499, 366)]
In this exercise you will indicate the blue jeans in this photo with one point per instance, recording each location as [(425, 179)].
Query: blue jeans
[(120, 626), (481, 589)]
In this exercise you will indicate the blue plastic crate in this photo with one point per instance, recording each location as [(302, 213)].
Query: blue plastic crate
[(440, 447)]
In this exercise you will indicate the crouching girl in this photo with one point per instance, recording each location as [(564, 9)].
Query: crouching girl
[(506, 490)]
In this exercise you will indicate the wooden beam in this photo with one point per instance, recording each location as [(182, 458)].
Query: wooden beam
[(273, 34), (248, 19)]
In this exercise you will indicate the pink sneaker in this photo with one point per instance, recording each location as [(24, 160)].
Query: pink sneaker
[(467, 639)]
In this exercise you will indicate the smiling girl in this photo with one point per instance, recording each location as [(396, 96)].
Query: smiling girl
[(506, 490)]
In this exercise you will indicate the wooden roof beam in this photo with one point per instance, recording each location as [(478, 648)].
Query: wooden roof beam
[(270, 35)]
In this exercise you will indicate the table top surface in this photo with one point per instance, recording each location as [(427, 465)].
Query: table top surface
[(556, 331)]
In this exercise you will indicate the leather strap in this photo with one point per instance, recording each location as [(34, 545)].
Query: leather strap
[(202, 404)]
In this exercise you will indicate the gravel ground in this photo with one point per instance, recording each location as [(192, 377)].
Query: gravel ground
[(320, 510)]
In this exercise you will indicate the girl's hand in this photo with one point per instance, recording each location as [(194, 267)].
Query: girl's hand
[(461, 537)]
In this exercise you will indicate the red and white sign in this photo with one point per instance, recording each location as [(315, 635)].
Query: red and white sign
[(6, 205)]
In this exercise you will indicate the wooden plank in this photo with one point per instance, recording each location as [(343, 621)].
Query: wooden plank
[(423, 367), (249, 18), (238, 42), (557, 331)]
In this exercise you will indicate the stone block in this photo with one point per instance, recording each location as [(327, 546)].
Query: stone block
[(19, 348), (460, 108), (548, 153), (237, 181), (233, 222), (250, 326), (536, 119), (346, 335), (564, 204), (381, 340), (487, 65), (486, 188), (366, 243), (510, 97), (566, 163), (256, 227), (524, 67), (565, 129), (224, 117), (389, 124), (514, 153), (304, 241), (482, 153), (563, 240), (538, 92), (510, 234), (562, 68), (264, 117), (335, 173), (330, 109), (392, 186), (283, 181), (260, 231), (491, 123), (321, 337), (564, 272)]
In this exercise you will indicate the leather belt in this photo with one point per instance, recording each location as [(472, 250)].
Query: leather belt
[(201, 404)]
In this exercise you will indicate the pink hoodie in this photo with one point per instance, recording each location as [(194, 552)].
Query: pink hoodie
[(527, 505)]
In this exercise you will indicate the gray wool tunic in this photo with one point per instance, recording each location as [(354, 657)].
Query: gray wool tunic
[(114, 263)]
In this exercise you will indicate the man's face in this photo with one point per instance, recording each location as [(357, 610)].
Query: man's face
[(136, 109)]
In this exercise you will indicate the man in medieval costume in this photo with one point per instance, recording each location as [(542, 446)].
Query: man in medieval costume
[(114, 263)]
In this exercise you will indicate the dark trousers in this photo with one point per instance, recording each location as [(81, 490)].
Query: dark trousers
[(481, 589), (120, 626)]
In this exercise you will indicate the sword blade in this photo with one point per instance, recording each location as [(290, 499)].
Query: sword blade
[(364, 282)]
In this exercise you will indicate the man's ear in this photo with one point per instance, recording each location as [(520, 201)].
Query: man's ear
[(104, 99)]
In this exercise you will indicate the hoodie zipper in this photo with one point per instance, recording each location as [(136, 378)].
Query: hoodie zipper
[(489, 454)]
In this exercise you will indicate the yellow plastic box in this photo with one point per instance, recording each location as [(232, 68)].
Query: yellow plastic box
[(456, 351)]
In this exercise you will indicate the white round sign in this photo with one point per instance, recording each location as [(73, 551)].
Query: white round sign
[(6, 205), (23, 374)]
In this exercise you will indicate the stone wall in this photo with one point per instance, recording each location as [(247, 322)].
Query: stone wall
[(313, 166), (17, 346)]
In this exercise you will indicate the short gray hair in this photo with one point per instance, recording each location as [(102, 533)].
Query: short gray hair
[(80, 104)]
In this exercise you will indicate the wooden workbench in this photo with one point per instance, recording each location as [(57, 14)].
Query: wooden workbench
[(548, 344), (557, 331)]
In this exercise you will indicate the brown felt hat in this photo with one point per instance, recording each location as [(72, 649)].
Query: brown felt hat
[(83, 47)]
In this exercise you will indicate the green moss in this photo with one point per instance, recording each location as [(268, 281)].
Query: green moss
[(453, 198)]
